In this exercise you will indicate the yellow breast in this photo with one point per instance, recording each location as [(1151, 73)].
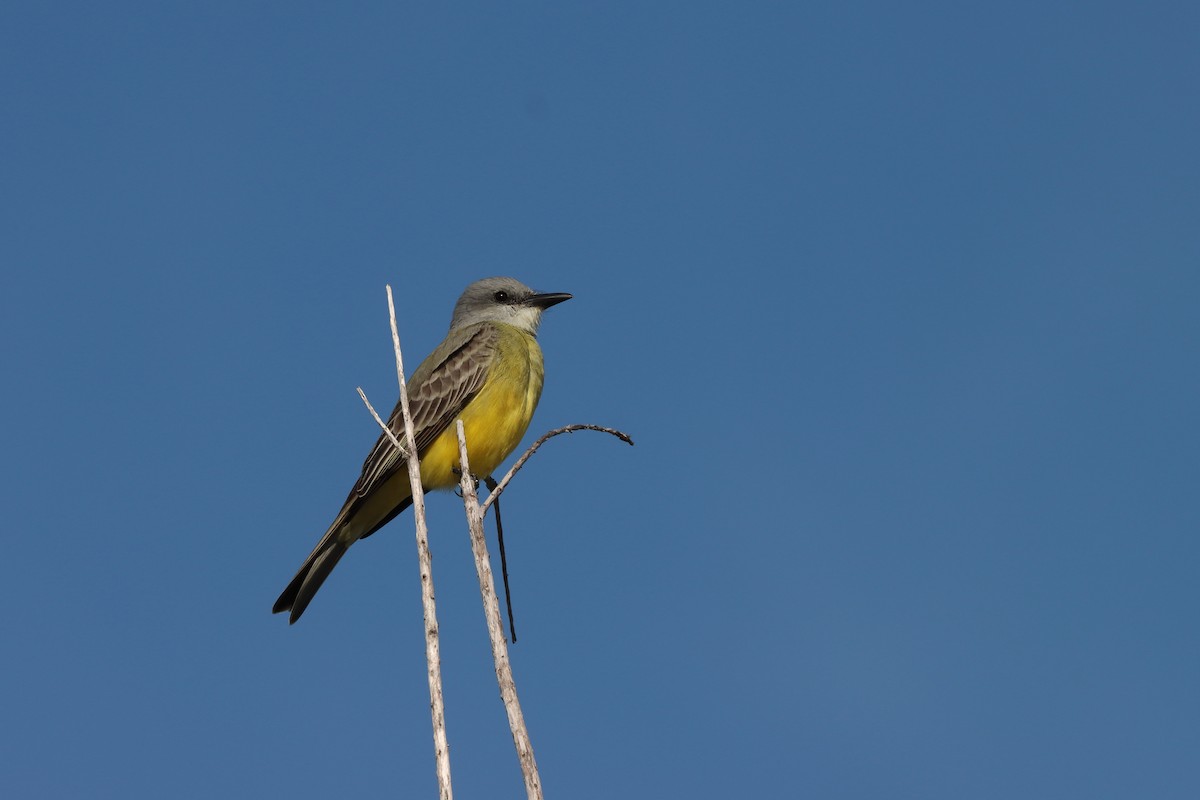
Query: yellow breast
[(496, 418)]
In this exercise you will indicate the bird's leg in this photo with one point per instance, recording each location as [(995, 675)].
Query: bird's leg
[(474, 478)]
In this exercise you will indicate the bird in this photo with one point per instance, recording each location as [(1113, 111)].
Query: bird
[(488, 372)]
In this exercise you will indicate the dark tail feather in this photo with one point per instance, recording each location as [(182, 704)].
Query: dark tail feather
[(321, 561), (299, 593)]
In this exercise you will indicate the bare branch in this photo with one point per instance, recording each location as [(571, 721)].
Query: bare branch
[(433, 656), (495, 493), (491, 612)]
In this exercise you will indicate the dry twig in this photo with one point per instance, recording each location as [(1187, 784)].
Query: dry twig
[(491, 612), (386, 429), (495, 493), (487, 589), (433, 657)]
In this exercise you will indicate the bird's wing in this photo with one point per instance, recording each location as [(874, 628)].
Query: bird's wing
[(440, 388)]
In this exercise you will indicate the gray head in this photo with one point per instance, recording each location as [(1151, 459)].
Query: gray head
[(503, 300)]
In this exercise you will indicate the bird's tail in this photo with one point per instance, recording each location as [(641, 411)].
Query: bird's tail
[(325, 556), (299, 593)]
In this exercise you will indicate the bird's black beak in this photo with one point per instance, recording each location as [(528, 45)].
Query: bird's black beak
[(544, 301)]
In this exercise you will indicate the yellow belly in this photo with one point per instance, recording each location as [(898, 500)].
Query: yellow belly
[(496, 419)]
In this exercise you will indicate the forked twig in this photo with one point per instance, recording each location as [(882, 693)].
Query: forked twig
[(491, 612), (487, 589), (494, 497)]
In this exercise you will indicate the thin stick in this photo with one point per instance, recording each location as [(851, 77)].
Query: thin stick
[(433, 656), (491, 612), (495, 493), (383, 425)]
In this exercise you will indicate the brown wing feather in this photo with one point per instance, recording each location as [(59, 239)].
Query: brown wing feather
[(441, 387)]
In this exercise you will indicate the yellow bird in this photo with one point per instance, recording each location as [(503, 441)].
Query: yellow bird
[(488, 373)]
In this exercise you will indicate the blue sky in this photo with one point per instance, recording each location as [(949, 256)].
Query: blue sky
[(898, 302)]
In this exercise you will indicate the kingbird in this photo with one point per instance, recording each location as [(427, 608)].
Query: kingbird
[(487, 372)]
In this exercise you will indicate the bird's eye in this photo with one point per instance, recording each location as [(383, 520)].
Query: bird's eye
[(500, 297)]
